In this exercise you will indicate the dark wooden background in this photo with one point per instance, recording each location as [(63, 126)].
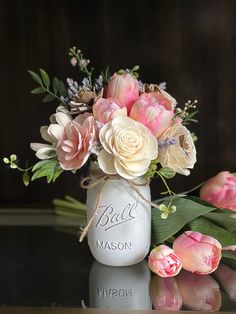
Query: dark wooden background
[(190, 44)]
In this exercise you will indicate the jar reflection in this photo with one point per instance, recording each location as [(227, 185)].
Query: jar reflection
[(119, 287)]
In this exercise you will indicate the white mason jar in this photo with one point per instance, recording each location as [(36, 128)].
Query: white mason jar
[(120, 287), (120, 233)]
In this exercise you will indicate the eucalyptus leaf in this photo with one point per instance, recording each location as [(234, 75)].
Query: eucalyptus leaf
[(61, 88), (48, 98), (45, 77), (35, 77), (187, 210), (205, 226), (55, 85), (38, 90)]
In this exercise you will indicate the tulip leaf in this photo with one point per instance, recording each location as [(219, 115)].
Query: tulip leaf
[(204, 226), (224, 220), (187, 210), (229, 259)]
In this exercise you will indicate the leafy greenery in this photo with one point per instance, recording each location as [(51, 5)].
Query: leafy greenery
[(49, 168), (204, 226), (53, 91), (187, 210)]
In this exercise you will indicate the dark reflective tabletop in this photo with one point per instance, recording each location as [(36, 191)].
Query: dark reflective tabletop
[(43, 265)]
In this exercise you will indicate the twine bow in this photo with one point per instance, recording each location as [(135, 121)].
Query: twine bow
[(99, 177)]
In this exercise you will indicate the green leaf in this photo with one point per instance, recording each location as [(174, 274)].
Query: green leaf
[(48, 98), (39, 164), (135, 68), (38, 90), (35, 77), (223, 220), (45, 77), (204, 226), (187, 210), (55, 84), (167, 172), (57, 174), (229, 259), (62, 88), (26, 178), (47, 168)]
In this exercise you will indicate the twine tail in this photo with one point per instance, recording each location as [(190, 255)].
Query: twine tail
[(133, 186)]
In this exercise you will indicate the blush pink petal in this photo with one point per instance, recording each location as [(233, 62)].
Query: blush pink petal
[(105, 110), (75, 146)]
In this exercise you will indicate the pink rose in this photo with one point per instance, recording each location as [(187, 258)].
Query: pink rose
[(199, 293), (74, 147), (123, 87), (165, 294), (164, 262), (155, 111), (199, 253), (227, 278), (220, 190), (105, 110)]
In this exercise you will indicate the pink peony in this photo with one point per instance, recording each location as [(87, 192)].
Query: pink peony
[(74, 147), (164, 262), (199, 293), (220, 190), (155, 111), (199, 253), (105, 110), (123, 87)]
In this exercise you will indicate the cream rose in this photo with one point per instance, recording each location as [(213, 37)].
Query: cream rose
[(128, 148), (177, 150)]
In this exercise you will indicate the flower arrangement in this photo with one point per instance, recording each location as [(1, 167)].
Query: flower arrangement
[(133, 129)]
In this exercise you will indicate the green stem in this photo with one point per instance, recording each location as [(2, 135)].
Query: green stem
[(168, 189), (51, 93), (180, 194)]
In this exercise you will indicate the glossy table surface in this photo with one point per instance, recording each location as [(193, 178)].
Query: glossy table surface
[(44, 268)]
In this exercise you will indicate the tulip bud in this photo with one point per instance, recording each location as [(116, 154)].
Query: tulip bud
[(199, 253), (220, 190), (164, 262), (124, 88)]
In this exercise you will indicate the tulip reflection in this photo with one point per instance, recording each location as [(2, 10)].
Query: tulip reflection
[(227, 277), (124, 287), (165, 294), (199, 293)]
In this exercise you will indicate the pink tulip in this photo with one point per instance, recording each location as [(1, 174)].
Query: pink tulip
[(105, 110), (199, 293), (227, 278), (74, 147), (164, 262), (220, 190), (199, 253), (155, 111), (123, 87), (165, 294)]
